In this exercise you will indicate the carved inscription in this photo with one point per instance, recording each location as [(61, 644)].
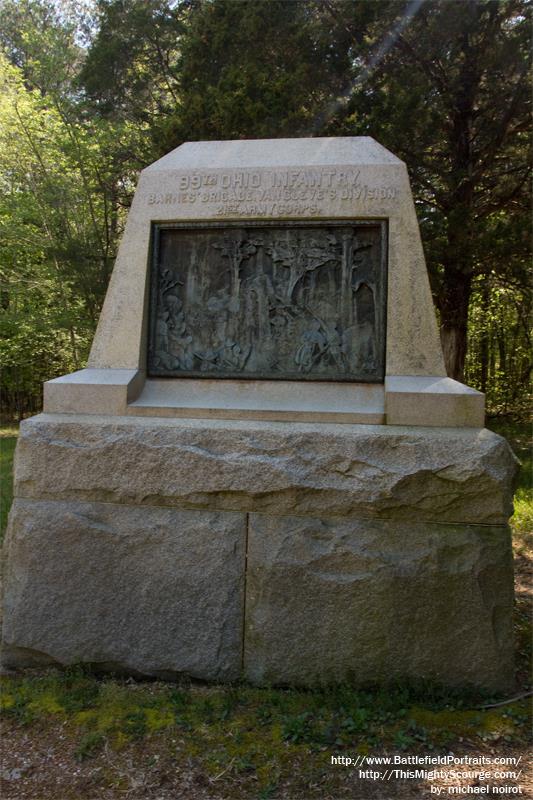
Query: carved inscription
[(284, 193), (294, 301)]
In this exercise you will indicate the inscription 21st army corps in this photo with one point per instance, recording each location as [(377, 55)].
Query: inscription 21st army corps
[(293, 191)]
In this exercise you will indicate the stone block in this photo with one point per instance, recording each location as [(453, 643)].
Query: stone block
[(437, 401), (441, 475), (209, 183), (92, 391), (331, 600), (262, 400), (148, 591)]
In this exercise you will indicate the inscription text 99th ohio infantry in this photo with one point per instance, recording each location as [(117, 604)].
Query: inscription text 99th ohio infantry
[(290, 192), (256, 300)]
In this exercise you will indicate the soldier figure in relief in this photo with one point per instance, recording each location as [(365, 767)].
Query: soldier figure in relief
[(312, 347)]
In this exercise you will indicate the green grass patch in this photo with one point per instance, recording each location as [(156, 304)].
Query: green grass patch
[(265, 736), (522, 519), (259, 733), (8, 441)]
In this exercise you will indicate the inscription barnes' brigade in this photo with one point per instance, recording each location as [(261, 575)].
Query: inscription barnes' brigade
[(291, 186)]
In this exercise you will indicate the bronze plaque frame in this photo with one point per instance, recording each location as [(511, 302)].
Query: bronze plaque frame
[(276, 300)]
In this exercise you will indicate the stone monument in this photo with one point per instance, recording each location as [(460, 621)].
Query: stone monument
[(264, 471)]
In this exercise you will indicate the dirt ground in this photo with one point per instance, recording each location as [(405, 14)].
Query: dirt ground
[(41, 765)]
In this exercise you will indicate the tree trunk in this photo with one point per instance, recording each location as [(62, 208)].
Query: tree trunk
[(454, 304), (458, 267), (484, 340)]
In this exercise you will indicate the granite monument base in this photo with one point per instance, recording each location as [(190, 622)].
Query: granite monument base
[(284, 553)]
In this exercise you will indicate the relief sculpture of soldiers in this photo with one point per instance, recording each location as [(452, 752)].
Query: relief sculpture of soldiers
[(294, 302)]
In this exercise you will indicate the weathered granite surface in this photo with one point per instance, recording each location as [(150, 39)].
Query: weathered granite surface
[(331, 600), (359, 552), (151, 591), (442, 475)]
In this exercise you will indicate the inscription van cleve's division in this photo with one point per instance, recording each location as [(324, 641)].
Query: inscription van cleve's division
[(285, 301)]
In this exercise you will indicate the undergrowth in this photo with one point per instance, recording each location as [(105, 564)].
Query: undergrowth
[(257, 730)]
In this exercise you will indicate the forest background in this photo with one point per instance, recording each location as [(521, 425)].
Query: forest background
[(92, 91)]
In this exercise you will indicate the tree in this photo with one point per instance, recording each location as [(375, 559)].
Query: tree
[(61, 207), (213, 70), (131, 70), (42, 321), (431, 91), (426, 85), (253, 69), (499, 344)]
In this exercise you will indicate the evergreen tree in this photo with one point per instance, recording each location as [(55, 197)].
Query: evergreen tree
[(449, 92)]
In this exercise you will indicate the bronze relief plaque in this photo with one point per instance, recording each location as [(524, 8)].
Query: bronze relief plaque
[(293, 301)]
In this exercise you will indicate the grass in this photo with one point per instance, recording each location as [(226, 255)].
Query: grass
[(257, 735), (8, 440)]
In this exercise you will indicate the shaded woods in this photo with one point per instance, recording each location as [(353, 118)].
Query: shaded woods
[(91, 92)]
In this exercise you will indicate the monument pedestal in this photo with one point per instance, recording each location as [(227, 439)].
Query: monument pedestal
[(264, 471), (287, 553)]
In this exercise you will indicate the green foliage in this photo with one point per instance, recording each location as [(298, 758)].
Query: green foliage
[(41, 329), (131, 68), (265, 736), (89, 745), (256, 70), (92, 91), (522, 519), (63, 188), (431, 90), (499, 353), (41, 42), (8, 440)]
